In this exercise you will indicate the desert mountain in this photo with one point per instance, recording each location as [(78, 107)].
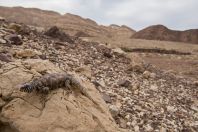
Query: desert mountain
[(71, 24), (160, 32), (75, 25)]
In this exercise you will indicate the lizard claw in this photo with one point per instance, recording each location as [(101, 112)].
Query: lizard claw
[(45, 90)]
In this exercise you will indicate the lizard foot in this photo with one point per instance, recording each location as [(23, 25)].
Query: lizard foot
[(45, 90)]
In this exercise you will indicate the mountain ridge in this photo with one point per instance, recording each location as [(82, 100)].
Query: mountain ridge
[(85, 27), (70, 23), (161, 32)]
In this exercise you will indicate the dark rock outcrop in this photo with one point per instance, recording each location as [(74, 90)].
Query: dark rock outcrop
[(14, 39), (56, 33), (5, 57)]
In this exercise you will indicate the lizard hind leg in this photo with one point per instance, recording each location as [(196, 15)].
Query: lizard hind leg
[(67, 84)]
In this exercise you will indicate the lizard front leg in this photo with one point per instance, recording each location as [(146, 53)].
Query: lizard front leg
[(45, 90), (68, 86)]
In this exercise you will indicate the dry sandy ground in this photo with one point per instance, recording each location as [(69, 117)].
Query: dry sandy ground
[(180, 64)]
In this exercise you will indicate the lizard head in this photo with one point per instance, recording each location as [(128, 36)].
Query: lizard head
[(26, 88)]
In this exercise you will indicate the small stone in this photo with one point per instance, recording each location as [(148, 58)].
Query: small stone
[(136, 86), (114, 110), (153, 75), (136, 68), (106, 98), (2, 41), (171, 109), (43, 57), (2, 18), (194, 107), (128, 124), (141, 114), (148, 128), (118, 104), (5, 57), (123, 123), (195, 83), (15, 27), (14, 39), (127, 117), (126, 99), (118, 50), (111, 94), (162, 129), (124, 83), (102, 83), (147, 74), (136, 92), (154, 87), (27, 53), (133, 123), (59, 45), (25, 30), (136, 128), (107, 54), (194, 123), (87, 62)]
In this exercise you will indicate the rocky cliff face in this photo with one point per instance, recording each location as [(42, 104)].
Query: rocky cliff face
[(160, 32), (138, 96)]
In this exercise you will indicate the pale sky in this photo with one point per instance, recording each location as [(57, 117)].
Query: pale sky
[(138, 14)]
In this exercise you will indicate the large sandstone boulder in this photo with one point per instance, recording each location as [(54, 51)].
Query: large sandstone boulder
[(57, 111)]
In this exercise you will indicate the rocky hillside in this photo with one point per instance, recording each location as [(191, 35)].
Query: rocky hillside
[(21, 61), (160, 32), (71, 24), (139, 96)]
